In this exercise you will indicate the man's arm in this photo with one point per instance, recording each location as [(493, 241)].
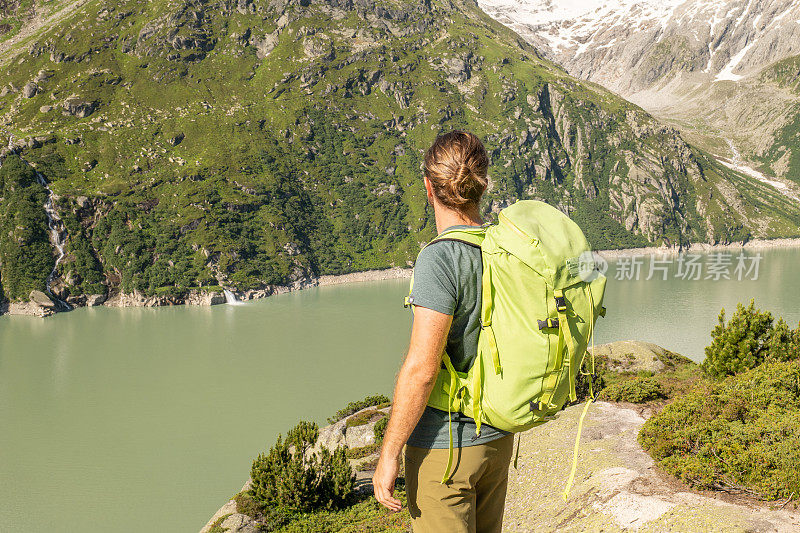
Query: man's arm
[(414, 384)]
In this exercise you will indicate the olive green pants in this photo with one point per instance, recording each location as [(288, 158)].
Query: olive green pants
[(474, 498)]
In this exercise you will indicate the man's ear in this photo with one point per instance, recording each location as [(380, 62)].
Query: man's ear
[(428, 189)]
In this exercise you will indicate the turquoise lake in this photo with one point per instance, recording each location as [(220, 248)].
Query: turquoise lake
[(117, 420)]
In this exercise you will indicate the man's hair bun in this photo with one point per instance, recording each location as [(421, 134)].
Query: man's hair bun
[(456, 165)]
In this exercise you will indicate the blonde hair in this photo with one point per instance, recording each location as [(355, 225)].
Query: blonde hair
[(456, 165)]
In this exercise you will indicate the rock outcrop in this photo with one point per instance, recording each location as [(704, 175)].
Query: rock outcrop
[(136, 299), (39, 304), (617, 486), (78, 107), (342, 433), (632, 356), (30, 90)]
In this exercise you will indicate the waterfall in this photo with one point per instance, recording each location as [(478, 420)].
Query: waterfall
[(54, 224), (56, 227), (230, 298)]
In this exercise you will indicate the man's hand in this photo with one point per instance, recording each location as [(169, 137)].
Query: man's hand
[(383, 482)]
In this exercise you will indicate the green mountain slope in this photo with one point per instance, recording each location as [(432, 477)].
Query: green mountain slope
[(263, 142)]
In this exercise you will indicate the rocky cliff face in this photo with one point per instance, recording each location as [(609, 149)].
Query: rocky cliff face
[(261, 143)]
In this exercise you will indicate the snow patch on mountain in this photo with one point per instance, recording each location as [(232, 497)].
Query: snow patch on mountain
[(727, 71), (573, 25)]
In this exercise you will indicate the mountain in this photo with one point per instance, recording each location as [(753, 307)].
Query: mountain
[(706, 65), (633, 46), (184, 145)]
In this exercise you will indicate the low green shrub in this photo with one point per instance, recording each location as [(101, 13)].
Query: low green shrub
[(748, 339), (639, 389), (292, 477), (784, 343), (742, 433), (363, 451), (380, 429), (216, 527), (353, 407), (269, 518), (678, 377), (363, 418)]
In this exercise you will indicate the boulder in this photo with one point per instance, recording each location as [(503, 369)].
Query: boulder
[(41, 299), (633, 356), (78, 107), (175, 140), (240, 523), (332, 436), (42, 76), (265, 45), (360, 436), (93, 300), (226, 510), (30, 90)]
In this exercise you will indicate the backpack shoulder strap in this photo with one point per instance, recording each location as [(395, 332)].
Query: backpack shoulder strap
[(472, 237)]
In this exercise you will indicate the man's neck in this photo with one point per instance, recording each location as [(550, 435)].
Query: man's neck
[(446, 218)]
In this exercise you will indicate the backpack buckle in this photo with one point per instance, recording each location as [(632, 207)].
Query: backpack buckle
[(561, 304), (548, 323)]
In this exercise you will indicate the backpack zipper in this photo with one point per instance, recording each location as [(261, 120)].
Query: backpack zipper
[(504, 220)]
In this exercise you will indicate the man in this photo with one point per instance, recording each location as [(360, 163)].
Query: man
[(446, 304)]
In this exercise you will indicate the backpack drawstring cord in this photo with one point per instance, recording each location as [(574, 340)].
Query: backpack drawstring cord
[(589, 401)]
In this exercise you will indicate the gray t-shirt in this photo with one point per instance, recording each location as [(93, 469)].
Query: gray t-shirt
[(447, 279)]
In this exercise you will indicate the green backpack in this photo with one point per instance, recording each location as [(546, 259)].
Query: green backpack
[(541, 294)]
